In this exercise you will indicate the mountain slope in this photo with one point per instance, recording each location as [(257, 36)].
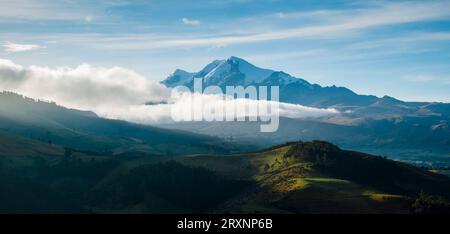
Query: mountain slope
[(54, 124), (318, 177), (297, 177), (13, 145), (22, 195)]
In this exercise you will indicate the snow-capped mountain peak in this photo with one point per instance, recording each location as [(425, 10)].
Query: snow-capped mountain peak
[(243, 72), (178, 77), (232, 71)]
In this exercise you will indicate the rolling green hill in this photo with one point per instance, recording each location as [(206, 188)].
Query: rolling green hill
[(318, 177), (298, 177)]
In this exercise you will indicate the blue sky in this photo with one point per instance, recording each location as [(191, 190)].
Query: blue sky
[(396, 48)]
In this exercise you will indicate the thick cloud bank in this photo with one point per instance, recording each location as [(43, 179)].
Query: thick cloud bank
[(118, 93)]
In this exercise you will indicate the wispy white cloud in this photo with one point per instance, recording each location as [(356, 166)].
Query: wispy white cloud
[(285, 55), (427, 78), (15, 47), (402, 44), (190, 21), (331, 24), (316, 15), (385, 14), (31, 10), (88, 18), (409, 38)]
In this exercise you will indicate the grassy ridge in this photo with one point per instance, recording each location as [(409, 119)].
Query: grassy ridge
[(299, 177)]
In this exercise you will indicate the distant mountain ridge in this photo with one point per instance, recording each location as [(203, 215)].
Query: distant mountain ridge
[(384, 125), (235, 71)]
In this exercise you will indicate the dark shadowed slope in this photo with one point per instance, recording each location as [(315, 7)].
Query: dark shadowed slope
[(53, 124)]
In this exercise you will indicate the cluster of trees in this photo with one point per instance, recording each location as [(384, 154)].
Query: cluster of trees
[(189, 188), (431, 204), (375, 171)]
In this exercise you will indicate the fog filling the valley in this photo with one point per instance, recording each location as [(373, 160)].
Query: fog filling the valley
[(117, 92)]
